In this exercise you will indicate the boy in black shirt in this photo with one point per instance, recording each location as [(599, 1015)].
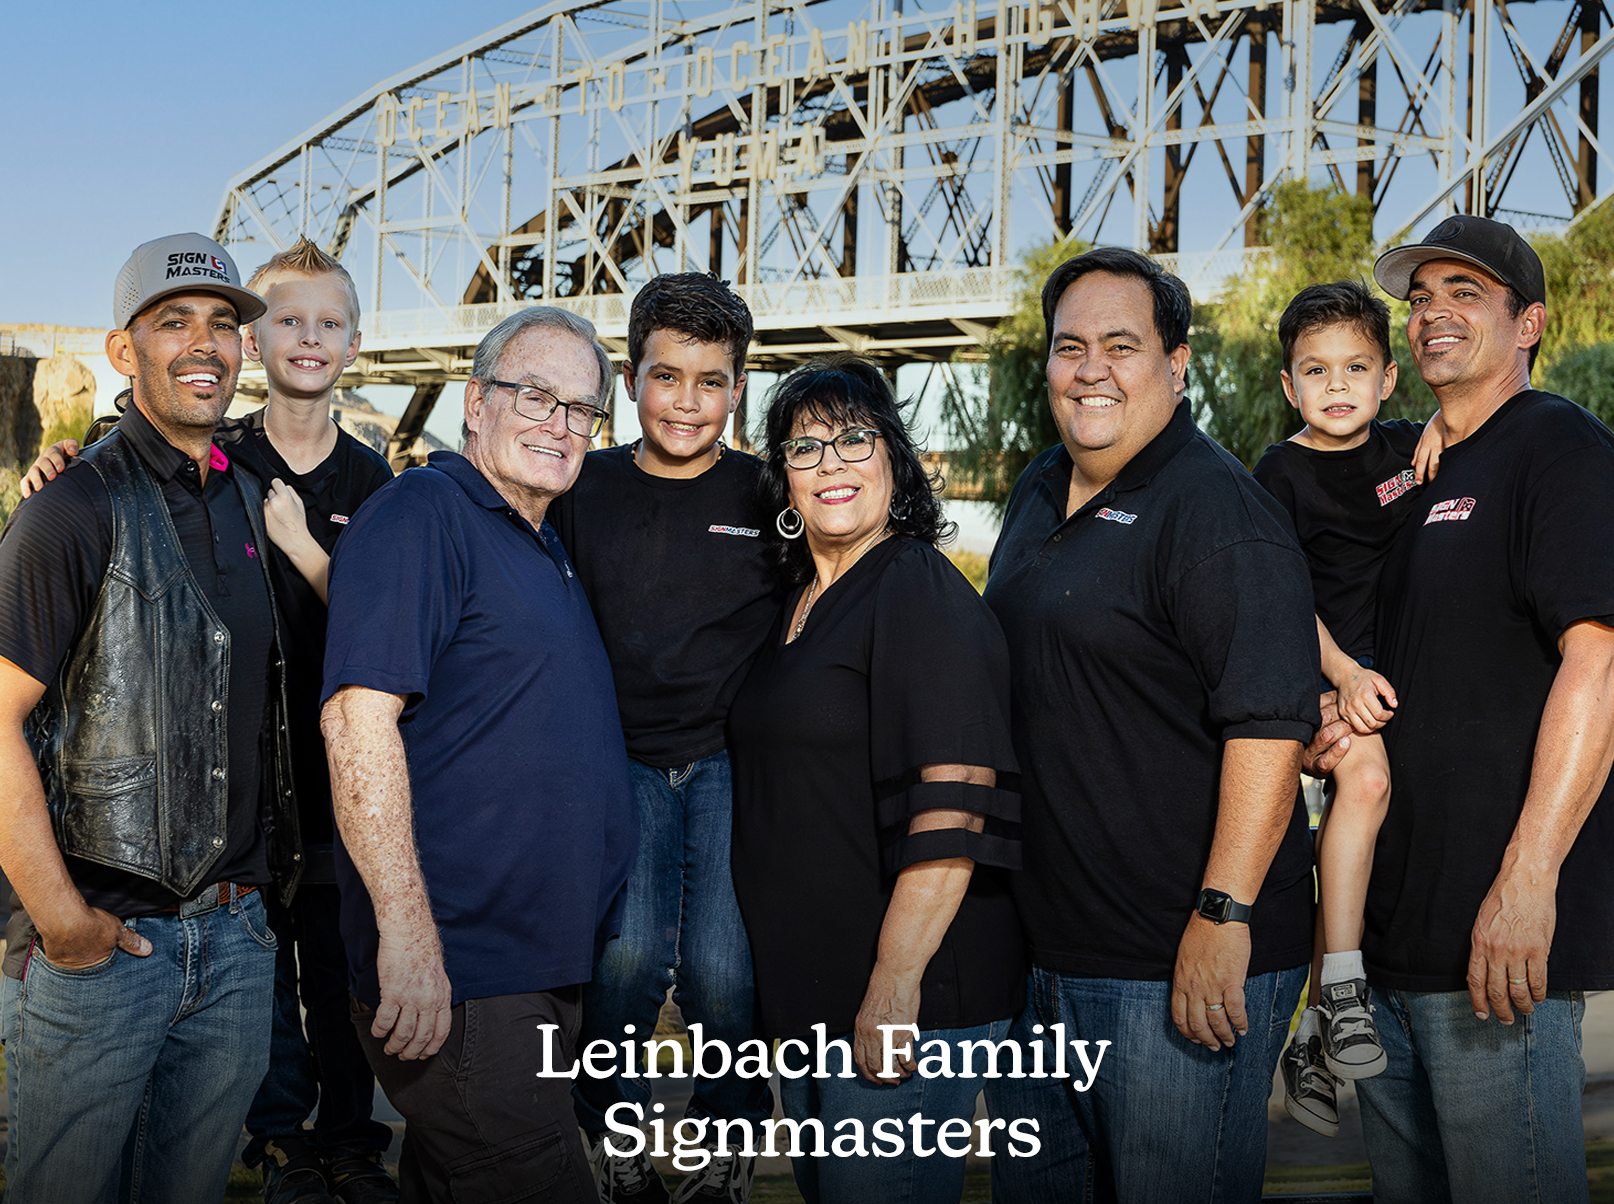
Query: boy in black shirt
[(315, 477), (665, 535), (1347, 481)]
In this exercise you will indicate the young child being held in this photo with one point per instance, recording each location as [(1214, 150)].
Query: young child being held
[(1348, 482)]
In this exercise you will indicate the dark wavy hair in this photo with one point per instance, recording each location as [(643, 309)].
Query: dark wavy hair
[(696, 305), (1342, 303), (840, 391)]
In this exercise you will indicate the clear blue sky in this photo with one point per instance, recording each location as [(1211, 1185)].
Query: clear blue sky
[(122, 122)]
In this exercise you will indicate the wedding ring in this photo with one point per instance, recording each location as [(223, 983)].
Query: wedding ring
[(1214, 1007)]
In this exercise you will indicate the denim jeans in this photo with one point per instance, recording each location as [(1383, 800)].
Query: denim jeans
[(907, 1178), (129, 1080), (1165, 1120), (325, 1064), (681, 928), (1469, 1110)]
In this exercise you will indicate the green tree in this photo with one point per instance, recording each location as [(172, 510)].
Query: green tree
[(1316, 235), (1577, 347), (997, 418), (1580, 288)]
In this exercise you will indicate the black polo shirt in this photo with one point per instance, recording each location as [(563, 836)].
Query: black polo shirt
[(53, 558), (1170, 613), (1511, 544)]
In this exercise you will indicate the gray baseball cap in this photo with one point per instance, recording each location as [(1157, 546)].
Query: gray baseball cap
[(180, 263)]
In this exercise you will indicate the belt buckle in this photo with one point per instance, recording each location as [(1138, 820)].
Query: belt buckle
[(203, 904)]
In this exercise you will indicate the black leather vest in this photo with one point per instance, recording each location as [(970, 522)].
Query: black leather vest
[(132, 737)]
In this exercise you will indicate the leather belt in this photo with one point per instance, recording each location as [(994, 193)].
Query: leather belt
[(209, 900)]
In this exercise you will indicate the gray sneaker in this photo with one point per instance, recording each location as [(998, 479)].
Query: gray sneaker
[(726, 1179), (1309, 1091), (624, 1180), (1351, 1046)]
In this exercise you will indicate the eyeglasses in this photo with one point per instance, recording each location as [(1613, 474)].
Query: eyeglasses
[(538, 404), (850, 445)]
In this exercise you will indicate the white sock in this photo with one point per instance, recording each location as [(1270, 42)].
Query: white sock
[(1308, 1026), (1342, 967)]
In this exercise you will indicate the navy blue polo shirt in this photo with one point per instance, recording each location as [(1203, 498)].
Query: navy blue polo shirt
[(524, 815)]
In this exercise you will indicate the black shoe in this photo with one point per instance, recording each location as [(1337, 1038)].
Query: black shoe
[(725, 1179), (1309, 1091), (362, 1179), (293, 1174), (631, 1179), (1350, 1038)]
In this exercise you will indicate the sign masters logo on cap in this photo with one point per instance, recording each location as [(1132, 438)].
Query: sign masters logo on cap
[(180, 263), (1494, 246)]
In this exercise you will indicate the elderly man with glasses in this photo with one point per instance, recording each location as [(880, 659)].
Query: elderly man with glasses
[(486, 821)]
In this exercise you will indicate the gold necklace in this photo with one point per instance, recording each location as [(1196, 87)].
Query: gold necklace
[(812, 593), (633, 452), (812, 590)]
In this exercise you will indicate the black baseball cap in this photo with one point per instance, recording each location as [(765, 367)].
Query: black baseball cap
[(1494, 246)]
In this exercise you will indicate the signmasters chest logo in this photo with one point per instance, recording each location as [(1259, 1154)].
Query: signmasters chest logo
[(1116, 516), (1395, 486), (196, 263), (1456, 510)]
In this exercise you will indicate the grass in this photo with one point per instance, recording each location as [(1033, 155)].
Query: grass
[(971, 564)]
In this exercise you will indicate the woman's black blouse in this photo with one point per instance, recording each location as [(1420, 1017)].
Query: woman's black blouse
[(900, 665)]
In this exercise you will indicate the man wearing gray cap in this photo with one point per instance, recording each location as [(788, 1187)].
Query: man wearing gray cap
[(144, 803), (1496, 622)]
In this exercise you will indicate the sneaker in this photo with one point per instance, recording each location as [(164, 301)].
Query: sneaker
[(362, 1179), (624, 1180), (1350, 1039), (726, 1179), (293, 1174), (1308, 1088)]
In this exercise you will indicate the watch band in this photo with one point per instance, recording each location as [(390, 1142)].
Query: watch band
[(1219, 907)]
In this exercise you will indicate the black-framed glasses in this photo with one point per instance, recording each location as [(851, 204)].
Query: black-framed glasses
[(850, 445), (538, 404)]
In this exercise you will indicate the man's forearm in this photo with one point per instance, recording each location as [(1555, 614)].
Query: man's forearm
[(1259, 781), (28, 849), (371, 800), (1574, 749)]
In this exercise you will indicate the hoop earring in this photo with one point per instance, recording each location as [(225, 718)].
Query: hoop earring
[(902, 514), (790, 527)]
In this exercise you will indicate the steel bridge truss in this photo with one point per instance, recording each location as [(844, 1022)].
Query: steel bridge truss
[(867, 171)]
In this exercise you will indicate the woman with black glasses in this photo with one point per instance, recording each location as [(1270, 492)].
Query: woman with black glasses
[(876, 800)]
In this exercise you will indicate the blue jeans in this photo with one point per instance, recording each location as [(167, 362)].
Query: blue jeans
[(324, 1065), (681, 928), (906, 1178), (1473, 1111), (129, 1080), (1165, 1119)]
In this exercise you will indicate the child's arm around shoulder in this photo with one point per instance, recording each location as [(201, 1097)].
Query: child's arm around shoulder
[(1426, 456), (51, 461)]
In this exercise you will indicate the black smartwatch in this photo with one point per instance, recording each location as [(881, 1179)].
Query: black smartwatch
[(1219, 908)]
